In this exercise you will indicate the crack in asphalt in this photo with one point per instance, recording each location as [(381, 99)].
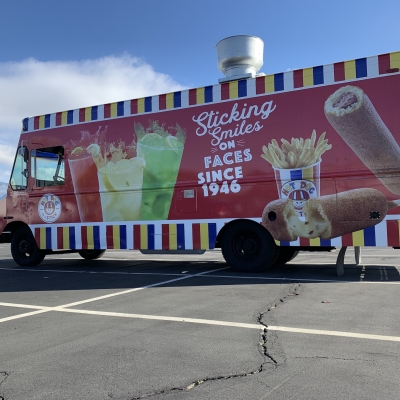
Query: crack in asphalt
[(269, 339), (269, 358), (3, 376), (197, 383)]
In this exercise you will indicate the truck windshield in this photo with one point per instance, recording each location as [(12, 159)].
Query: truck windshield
[(19, 176), (47, 166)]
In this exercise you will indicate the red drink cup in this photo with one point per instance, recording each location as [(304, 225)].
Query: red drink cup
[(86, 188)]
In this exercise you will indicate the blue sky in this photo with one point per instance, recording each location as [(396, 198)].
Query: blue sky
[(56, 55)]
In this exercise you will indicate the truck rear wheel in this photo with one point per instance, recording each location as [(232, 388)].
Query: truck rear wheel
[(248, 247), (286, 254), (24, 249), (91, 254)]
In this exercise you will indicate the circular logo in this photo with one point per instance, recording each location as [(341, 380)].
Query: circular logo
[(49, 208), (299, 192)]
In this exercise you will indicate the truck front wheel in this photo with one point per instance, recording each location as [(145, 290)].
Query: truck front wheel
[(248, 247), (286, 254), (24, 249), (91, 254)]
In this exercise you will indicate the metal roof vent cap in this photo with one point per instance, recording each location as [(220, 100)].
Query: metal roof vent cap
[(240, 57)]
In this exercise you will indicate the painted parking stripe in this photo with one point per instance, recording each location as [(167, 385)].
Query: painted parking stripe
[(237, 325), (306, 280), (47, 309), (107, 296), (204, 275), (40, 311), (89, 272), (354, 335), (335, 333)]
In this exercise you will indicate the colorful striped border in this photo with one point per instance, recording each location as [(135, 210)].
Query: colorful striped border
[(386, 233), (187, 235), (368, 67), (163, 235), (116, 237)]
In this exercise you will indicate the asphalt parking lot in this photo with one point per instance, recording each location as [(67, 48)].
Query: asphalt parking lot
[(133, 326)]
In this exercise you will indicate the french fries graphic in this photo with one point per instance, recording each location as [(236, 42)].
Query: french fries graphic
[(298, 153)]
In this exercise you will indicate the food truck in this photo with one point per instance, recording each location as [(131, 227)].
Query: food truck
[(261, 166)]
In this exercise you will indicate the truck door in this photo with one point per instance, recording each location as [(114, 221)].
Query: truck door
[(46, 184), (17, 204)]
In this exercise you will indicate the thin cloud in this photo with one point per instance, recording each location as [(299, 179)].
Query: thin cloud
[(33, 87)]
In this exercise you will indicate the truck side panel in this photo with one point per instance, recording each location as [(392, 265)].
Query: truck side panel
[(168, 172)]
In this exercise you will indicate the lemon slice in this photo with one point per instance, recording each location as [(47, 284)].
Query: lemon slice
[(93, 149), (152, 139), (172, 142), (137, 162), (76, 151)]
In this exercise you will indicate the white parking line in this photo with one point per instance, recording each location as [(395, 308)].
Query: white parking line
[(270, 278), (352, 264), (89, 272), (354, 335), (204, 275), (40, 311), (375, 256), (335, 333), (18, 305), (47, 309), (106, 296)]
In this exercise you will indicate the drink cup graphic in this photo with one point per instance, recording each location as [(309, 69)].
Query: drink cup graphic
[(163, 158), (83, 171), (298, 184), (121, 189), (86, 188)]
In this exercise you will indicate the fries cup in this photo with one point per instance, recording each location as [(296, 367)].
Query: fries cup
[(298, 184)]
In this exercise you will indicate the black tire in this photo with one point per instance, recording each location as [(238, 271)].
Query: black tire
[(24, 249), (286, 254), (91, 254), (248, 247)]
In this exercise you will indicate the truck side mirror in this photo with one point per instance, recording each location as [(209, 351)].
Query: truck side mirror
[(26, 155), (23, 151)]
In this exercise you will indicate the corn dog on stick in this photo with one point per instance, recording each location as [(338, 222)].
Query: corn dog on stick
[(356, 120), (347, 212), (327, 216)]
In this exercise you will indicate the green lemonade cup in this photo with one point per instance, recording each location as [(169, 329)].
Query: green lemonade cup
[(163, 158)]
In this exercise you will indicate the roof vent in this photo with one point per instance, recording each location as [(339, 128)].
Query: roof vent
[(240, 57)]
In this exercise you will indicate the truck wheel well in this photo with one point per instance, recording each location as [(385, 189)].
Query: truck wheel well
[(248, 247), (14, 226), (226, 227)]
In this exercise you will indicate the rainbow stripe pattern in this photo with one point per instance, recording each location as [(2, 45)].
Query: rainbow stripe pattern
[(188, 235), (368, 67), (386, 233), (116, 237), (160, 235)]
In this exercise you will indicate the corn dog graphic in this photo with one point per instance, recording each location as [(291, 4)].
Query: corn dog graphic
[(359, 208), (353, 116)]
